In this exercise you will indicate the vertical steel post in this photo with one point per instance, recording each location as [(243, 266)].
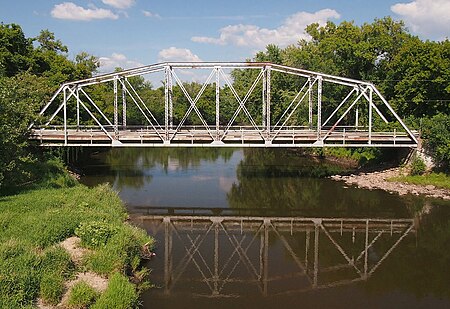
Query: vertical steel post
[(217, 103), (170, 85), (319, 106), (166, 101), (268, 78), (116, 112), (124, 105), (78, 107), (65, 116), (357, 118), (370, 115), (310, 103), (264, 96)]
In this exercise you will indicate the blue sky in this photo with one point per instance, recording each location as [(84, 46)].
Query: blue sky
[(130, 33)]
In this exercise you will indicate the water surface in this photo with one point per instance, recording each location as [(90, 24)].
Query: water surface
[(258, 228)]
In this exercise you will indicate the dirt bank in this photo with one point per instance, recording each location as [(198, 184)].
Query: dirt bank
[(378, 180)]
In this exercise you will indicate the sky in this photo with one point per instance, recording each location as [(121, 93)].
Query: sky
[(131, 33)]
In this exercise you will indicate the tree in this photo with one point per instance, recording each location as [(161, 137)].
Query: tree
[(20, 97), (47, 42), (418, 79), (15, 50)]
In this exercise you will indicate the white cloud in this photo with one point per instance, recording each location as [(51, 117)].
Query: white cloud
[(428, 17), (71, 11), (151, 14), (177, 54), (108, 64), (292, 29), (119, 4)]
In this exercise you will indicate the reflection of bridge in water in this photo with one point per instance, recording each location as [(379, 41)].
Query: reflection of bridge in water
[(232, 256)]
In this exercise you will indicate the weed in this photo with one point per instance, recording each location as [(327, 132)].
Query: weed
[(95, 234), (418, 167)]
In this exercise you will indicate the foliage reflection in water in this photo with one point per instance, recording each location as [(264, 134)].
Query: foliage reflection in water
[(257, 228)]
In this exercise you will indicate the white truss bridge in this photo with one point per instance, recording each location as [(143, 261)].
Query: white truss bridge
[(320, 110)]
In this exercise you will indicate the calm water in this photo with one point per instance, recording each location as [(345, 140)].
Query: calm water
[(262, 228)]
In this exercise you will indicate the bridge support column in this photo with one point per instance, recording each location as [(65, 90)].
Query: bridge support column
[(266, 101), (65, 115), (310, 102), (116, 112), (319, 106), (370, 115), (124, 105), (168, 110), (77, 93), (217, 103)]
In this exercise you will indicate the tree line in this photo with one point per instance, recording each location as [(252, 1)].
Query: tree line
[(413, 74)]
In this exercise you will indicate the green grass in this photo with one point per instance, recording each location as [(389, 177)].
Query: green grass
[(120, 294), (82, 295), (121, 253), (33, 222), (440, 180)]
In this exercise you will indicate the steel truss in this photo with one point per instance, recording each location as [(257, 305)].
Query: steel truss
[(250, 243), (60, 128)]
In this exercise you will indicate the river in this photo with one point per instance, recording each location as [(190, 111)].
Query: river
[(259, 228)]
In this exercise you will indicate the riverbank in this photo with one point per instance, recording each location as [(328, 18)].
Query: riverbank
[(392, 180), (35, 265)]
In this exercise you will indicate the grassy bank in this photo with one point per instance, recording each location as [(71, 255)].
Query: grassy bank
[(439, 180), (33, 222)]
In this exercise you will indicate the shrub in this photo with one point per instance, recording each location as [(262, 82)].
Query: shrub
[(95, 234), (52, 287), (120, 294), (82, 295), (418, 167), (436, 132)]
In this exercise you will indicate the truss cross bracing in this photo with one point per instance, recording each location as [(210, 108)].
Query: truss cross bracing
[(271, 106)]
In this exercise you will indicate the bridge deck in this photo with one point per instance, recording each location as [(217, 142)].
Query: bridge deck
[(236, 137)]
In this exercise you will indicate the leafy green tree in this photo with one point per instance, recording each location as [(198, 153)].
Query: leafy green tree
[(20, 99), (418, 79), (15, 50), (436, 132)]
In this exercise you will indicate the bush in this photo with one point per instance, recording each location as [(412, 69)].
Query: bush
[(120, 294), (436, 134), (418, 167), (95, 234), (52, 287), (82, 295)]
